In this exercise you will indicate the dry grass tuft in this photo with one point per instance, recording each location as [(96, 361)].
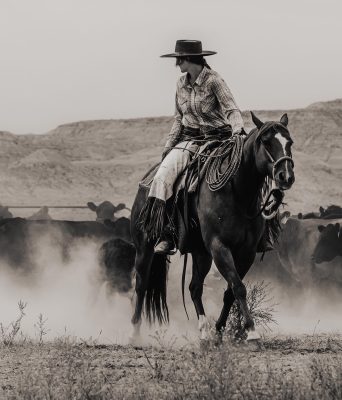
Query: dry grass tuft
[(10, 333), (261, 306)]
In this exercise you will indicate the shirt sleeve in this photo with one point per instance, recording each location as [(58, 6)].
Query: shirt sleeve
[(175, 132), (228, 104)]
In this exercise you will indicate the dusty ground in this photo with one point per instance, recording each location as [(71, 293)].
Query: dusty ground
[(280, 367)]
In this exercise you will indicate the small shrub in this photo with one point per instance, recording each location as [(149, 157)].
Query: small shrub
[(261, 306), (40, 328), (10, 332)]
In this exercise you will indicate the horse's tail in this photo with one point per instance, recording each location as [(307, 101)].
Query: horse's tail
[(155, 298)]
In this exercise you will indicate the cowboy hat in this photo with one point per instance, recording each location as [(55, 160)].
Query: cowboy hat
[(189, 48)]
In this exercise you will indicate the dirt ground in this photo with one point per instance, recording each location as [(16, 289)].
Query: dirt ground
[(63, 368)]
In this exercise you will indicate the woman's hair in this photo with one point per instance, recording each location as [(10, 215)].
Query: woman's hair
[(199, 60)]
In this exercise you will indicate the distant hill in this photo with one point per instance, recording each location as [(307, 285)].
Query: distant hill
[(105, 159)]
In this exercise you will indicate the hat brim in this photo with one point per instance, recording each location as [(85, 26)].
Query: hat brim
[(203, 53)]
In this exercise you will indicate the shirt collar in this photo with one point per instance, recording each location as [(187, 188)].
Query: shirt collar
[(200, 79)]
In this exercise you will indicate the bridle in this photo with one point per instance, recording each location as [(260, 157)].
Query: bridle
[(270, 207), (277, 162)]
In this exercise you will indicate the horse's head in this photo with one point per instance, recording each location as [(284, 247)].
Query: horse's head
[(273, 151)]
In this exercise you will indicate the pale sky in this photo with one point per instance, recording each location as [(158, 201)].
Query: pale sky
[(71, 60)]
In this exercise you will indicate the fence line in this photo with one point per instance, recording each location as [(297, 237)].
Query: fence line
[(47, 206)]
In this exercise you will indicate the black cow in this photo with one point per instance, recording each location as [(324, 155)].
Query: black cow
[(106, 210), (117, 262), (331, 212), (20, 239), (295, 247), (5, 213), (329, 243), (41, 214)]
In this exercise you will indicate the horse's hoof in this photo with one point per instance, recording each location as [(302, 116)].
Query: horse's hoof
[(253, 341), (218, 338), (134, 341), (253, 335)]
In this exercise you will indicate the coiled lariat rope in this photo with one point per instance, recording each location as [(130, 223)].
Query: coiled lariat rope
[(228, 152)]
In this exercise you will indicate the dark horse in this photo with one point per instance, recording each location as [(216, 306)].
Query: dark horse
[(230, 230)]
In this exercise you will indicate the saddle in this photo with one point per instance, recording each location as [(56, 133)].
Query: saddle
[(182, 215)]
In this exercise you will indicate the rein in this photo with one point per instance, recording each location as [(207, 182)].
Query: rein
[(266, 206)]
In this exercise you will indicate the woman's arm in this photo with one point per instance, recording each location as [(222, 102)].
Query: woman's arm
[(175, 132), (228, 104)]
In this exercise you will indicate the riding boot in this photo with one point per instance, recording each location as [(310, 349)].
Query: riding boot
[(166, 243)]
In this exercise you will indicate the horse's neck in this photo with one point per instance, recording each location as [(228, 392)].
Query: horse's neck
[(248, 181)]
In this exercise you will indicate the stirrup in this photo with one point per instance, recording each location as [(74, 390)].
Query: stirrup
[(165, 247)]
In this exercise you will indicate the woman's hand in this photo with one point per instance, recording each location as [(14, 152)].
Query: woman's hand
[(241, 132)]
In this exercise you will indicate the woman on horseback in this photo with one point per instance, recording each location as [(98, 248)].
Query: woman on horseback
[(204, 107)]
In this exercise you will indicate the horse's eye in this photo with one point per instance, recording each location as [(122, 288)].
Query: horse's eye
[(266, 137)]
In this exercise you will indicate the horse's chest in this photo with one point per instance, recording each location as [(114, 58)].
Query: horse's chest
[(230, 229)]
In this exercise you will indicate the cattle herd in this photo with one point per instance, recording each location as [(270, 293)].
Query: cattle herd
[(309, 249), (20, 239)]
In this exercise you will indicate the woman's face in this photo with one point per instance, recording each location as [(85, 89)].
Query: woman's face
[(182, 63)]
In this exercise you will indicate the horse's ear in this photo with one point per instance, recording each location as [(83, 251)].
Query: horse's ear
[(284, 120), (256, 121)]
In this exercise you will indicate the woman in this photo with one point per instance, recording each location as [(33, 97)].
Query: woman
[(204, 106)]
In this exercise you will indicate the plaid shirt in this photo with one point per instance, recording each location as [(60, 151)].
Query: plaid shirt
[(207, 104)]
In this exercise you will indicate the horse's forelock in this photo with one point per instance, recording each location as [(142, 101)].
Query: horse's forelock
[(274, 126)]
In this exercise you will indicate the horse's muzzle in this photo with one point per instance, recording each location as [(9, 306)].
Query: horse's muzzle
[(285, 177)]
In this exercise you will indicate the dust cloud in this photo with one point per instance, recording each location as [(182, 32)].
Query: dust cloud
[(75, 301), (70, 295), (309, 311)]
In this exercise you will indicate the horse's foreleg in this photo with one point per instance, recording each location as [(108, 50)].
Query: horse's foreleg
[(228, 300), (143, 261), (225, 264), (200, 267)]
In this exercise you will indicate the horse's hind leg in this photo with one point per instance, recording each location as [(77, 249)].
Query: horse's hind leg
[(225, 264), (143, 261), (201, 263)]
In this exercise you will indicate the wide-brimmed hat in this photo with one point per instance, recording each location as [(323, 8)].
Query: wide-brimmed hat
[(189, 48)]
